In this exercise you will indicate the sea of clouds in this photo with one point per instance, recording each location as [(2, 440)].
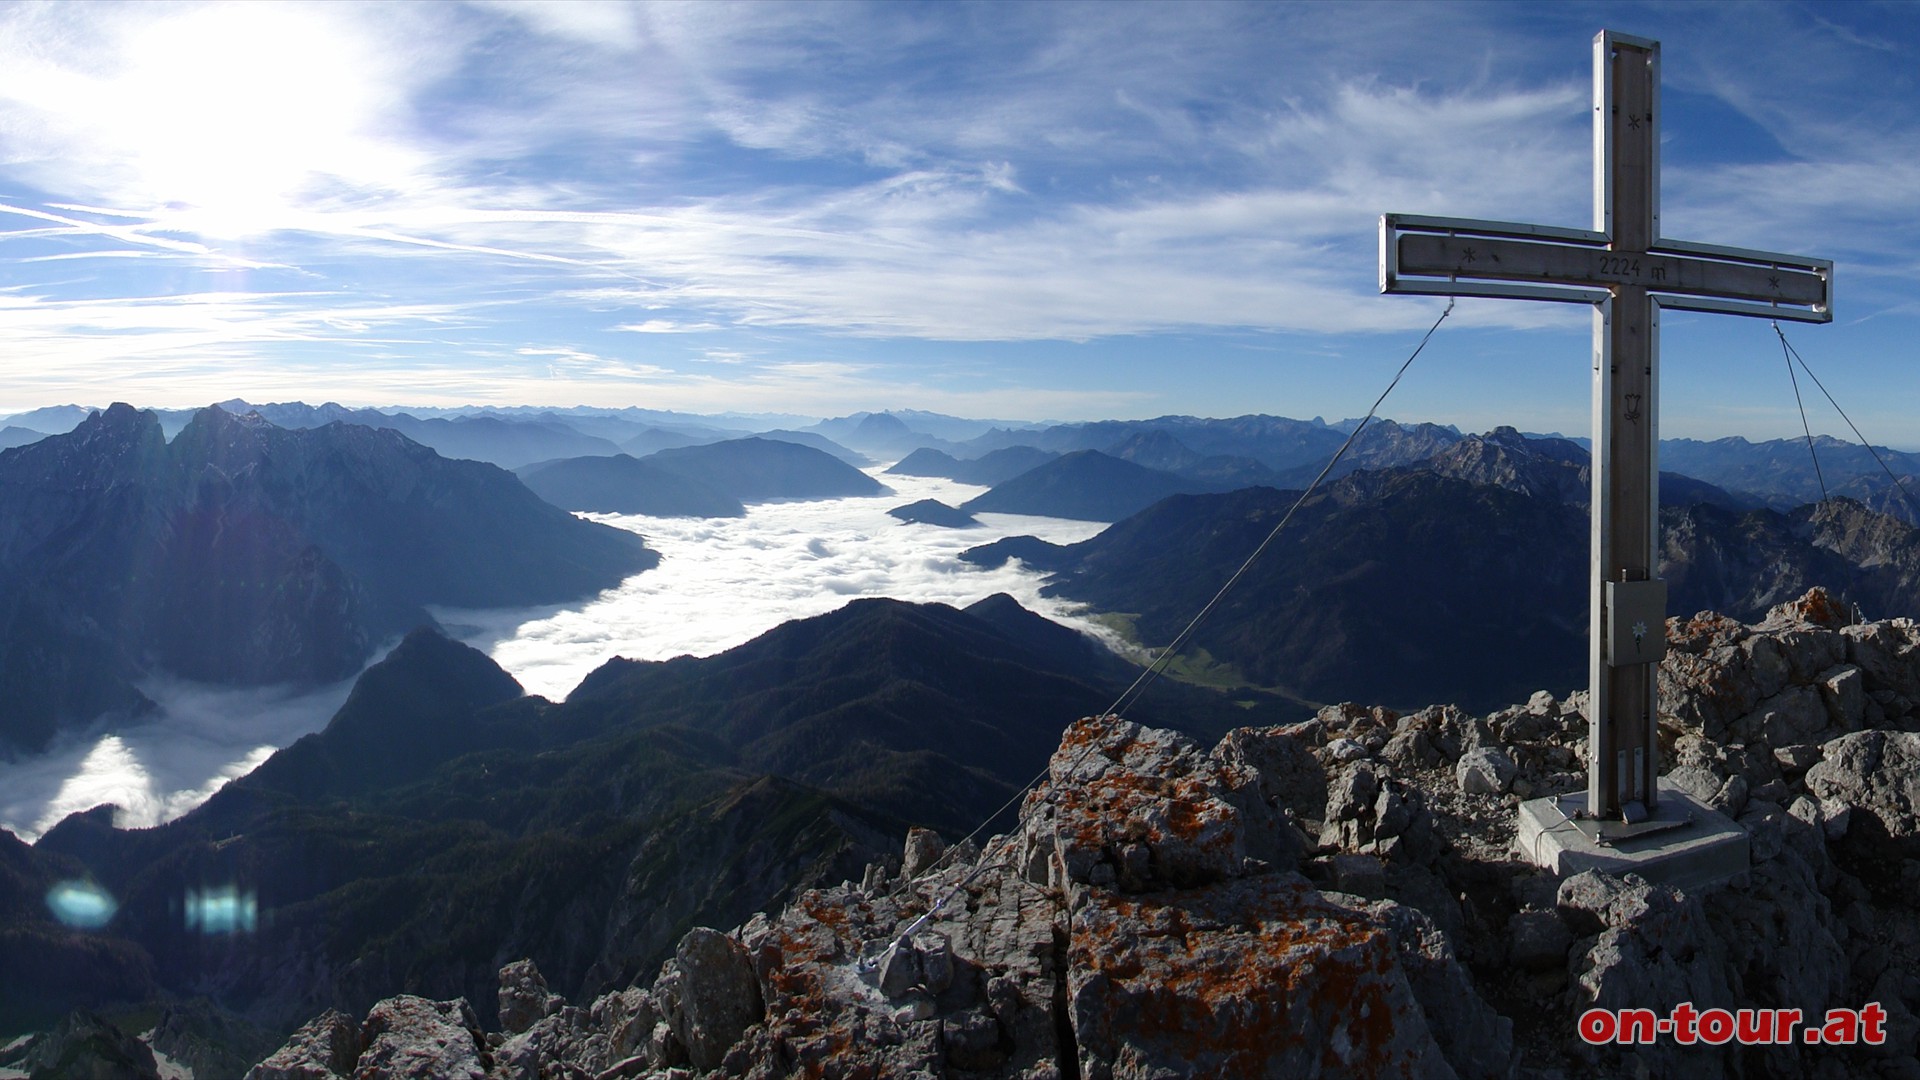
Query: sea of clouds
[(720, 582), (725, 581)]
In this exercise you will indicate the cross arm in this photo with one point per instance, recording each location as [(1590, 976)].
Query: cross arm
[(1468, 257)]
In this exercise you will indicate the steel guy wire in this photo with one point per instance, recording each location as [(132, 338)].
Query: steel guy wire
[(1132, 694)]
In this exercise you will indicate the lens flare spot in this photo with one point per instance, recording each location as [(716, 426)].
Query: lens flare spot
[(81, 904), (222, 910)]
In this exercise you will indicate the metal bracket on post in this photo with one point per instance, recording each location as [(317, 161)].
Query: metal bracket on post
[(1636, 622)]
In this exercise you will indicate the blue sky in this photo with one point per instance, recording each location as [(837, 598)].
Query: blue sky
[(1023, 211)]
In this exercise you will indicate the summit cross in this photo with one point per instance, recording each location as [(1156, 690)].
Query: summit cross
[(1628, 273)]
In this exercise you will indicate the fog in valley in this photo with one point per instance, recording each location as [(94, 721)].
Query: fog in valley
[(720, 582), (725, 581), (155, 771)]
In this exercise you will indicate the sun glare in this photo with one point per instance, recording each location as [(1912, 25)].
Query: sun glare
[(230, 115)]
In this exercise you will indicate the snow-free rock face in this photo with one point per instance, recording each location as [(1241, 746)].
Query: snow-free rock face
[(325, 1047), (1876, 773), (1322, 899), (1147, 918)]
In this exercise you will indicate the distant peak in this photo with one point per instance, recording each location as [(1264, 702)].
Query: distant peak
[(881, 422), (120, 413), (118, 419)]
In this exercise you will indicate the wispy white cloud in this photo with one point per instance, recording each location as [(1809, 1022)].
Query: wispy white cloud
[(784, 178), (665, 326)]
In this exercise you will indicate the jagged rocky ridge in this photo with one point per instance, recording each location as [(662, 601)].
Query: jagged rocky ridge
[(1400, 583), (242, 553), (1330, 898)]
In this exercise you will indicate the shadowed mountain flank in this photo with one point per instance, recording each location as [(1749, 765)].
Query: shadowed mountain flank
[(243, 553)]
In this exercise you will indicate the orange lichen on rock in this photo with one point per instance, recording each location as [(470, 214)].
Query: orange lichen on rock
[(1138, 807), (1254, 977), (1817, 608)]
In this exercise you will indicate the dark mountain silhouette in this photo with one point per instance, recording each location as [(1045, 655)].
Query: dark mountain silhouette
[(12, 436), (934, 512), (622, 485), (756, 470), (1556, 468), (1782, 471), (1220, 472), (993, 467), (1289, 447), (1400, 585), (244, 553), (1392, 586), (927, 461), (655, 439), (818, 442), (880, 435), (1086, 485), (506, 443), (53, 419), (441, 820)]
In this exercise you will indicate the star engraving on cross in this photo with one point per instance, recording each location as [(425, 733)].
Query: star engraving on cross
[(1628, 273)]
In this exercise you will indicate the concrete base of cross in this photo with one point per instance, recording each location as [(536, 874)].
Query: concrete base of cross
[(1699, 849)]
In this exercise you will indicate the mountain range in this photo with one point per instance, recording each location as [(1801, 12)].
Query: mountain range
[(1225, 453), (244, 553), (1400, 585), (442, 819)]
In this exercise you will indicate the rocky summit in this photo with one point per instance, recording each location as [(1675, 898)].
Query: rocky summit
[(1333, 898)]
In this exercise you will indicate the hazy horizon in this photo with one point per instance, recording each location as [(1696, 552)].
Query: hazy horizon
[(774, 421)]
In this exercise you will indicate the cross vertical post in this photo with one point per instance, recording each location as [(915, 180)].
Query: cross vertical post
[(1622, 704), (1628, 273)]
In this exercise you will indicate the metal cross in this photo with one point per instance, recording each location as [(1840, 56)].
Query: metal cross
[(1628, 273)]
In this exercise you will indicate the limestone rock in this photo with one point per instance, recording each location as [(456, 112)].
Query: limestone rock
[(1411, 749), (1765, 823), (899, 970), (1114, 784), (408, 1037), (924, 848), (1485, 770), (1843, 690), (325, 1047), (935, 961), (1700, 781), (1817, 608), (714, 998), (1875, 773), (1474, 1039), (1143, 918), (1775, 934), (524, 997), (615, 1029), (1886, 656), (1653, 949), (1346, 750), (1361, 875), (1287, 771), (1253, 977), (1788, 717), (1537, 941), (1352, 794)]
